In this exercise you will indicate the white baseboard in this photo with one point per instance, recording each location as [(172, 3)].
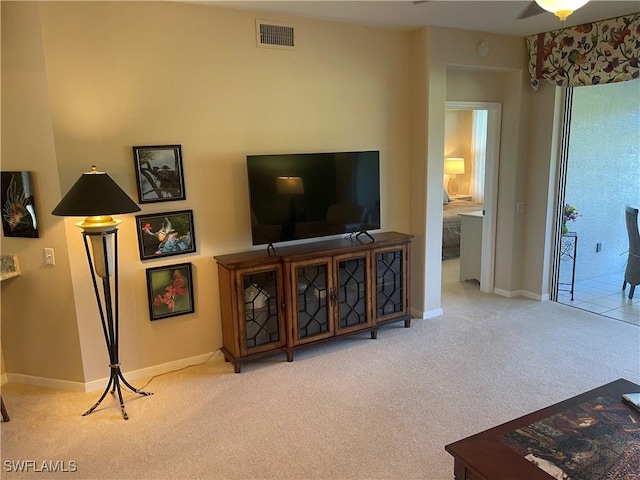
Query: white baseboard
[(520, 293), (102, 382), (425, 315), (45, 382), (505, 293), (151, 371)]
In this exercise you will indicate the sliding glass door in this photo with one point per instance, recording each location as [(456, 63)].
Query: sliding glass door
[(599, 174)]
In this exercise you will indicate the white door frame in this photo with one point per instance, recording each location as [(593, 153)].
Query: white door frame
[(494, 109)]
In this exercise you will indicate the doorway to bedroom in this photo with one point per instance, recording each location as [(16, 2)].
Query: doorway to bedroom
[(472, 135)]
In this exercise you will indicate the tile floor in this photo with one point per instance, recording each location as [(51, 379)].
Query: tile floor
[(604, 296)]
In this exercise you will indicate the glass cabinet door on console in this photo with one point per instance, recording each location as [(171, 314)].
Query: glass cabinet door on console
[(311, 307), (391, 284), (262, 311), (352, 297)]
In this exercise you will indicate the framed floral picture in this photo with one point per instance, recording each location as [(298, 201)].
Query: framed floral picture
[(165, 234), (170, 291), (159, 173), (18, 205)]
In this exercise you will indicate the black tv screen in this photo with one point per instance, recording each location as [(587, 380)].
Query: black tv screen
[(296, 196)]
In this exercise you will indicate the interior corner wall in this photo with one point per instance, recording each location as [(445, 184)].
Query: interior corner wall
[(419, 80), (123, 74), (451, 50), (514, 185), (544, 124), (39, 329)]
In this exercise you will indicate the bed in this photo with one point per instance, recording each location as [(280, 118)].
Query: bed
[(451, 224)]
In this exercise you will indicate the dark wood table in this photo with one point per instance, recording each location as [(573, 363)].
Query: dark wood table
[(3, 411), (485, 457)]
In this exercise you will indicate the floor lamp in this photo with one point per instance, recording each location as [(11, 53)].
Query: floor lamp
[(96, 196)]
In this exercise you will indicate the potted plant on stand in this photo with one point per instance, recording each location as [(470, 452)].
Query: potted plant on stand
[(570, 215)]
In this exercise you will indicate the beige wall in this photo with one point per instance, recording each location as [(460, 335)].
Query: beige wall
[(89, 80), (39, 323), (543, 144), (120, 74)]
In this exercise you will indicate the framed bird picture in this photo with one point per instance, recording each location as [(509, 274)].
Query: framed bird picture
[(159, 173), (165, 234)]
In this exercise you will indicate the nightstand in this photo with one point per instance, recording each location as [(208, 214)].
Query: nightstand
[(471, 245), (461, 196)]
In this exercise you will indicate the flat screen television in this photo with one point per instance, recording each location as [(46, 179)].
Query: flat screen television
[(306, 195)]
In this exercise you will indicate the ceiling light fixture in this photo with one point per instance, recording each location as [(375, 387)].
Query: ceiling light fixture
[(561, 8)]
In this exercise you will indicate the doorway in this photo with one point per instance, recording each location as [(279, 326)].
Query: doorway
[(597, 179), (486, 179)]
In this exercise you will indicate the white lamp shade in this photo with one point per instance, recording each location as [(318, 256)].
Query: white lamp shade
[(453, 166), (561, 8)]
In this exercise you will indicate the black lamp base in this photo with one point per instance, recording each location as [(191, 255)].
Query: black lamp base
[(109, 312), (114, 384)]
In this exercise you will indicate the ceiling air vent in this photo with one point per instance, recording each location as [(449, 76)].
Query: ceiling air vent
[(275, 35)]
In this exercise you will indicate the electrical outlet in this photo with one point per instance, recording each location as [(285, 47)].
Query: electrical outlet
[(520, 207), (49, 256)]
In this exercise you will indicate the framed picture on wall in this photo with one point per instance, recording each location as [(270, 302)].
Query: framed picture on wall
[(165, 234), (170, 291), (159, 173), (18, 205)]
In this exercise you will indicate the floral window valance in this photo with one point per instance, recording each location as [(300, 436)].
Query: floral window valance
[(589, 54)]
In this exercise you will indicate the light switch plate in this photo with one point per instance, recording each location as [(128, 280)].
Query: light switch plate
[(49, 256)]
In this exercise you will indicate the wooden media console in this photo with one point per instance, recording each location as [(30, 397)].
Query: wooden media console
[(279, 301)]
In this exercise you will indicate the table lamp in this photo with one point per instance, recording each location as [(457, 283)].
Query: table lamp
[(453, 167), (96, 196)]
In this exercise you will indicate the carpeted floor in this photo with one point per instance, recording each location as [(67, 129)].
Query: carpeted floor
[(352, 409)]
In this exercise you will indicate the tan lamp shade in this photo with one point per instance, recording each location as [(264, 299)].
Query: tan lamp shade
[(454, 166)]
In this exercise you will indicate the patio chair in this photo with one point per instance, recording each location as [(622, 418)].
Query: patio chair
[(632, 272)]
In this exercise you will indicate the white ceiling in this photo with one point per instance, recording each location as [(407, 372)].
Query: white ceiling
[(479, 15)]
